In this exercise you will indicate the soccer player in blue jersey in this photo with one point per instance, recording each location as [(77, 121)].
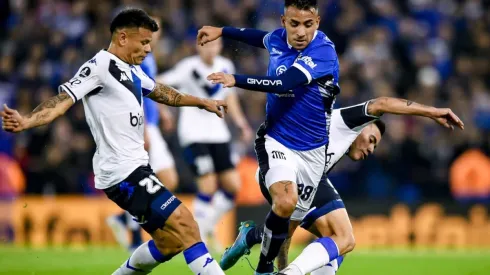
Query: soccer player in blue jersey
[(161, 160), (301, 82)]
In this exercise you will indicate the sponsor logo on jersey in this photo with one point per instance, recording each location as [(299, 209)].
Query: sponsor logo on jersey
[(308, 61), (265, 82), (290, 94), (276, 51), (84, 72), (93, 61), (135, 120)]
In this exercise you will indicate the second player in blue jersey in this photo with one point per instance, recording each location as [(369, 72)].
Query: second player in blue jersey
[(301, 86), (301, 82)]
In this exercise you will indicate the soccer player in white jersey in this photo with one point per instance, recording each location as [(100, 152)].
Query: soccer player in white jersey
[(161, 159), (112, 86), (206, 139), (354, 131)]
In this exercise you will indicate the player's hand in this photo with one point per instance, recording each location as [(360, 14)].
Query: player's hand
[(207, 34), (12, 121), (228, 80), (246, 134), (214, 106), (447, 118)]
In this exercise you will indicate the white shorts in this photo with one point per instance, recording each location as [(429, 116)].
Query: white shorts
[(160, 156), (305, 168)]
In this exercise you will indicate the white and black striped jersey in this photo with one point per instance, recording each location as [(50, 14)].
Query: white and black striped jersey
[(189, 75), (346, 124), (112, 94)]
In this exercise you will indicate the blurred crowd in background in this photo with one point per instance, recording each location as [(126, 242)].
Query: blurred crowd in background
[(435, 52)]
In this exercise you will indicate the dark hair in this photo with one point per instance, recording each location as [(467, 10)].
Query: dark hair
[(133, 18), (301, 4), (381, 126)]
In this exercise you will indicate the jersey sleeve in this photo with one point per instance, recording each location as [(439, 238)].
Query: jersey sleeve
[(88, 78), (267, 41), (318, 62), (356, 117), (147, 83)]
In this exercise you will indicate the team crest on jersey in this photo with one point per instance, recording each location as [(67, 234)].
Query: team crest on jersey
[(280, 70), (84, 72)]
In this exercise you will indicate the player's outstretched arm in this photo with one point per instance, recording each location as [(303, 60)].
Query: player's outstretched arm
[(398, 106), (251, 37), (283, 83), (43, 114), (167, 95)]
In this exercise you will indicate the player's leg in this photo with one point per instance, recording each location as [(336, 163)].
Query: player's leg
[(180, 233), (162, 162), (198, 156), (277, 166), (330, 268), (161, 159), (118, 225), (204, 211), (336, 238), (136, 239), (169, 177), (229, 179), (169, 222)]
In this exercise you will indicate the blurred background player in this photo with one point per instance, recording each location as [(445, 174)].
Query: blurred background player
[(161, 159), (206, 139)]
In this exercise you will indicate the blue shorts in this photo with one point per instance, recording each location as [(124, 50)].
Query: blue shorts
[(144, 197)]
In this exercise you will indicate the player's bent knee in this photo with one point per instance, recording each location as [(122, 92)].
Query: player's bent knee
[(284, 206), (207, 183), (230, 180)]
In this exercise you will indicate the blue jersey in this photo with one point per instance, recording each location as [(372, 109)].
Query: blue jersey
[(299, 119), (152, 116)]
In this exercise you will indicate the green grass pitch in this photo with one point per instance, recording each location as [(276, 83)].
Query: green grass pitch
[(96, 260)]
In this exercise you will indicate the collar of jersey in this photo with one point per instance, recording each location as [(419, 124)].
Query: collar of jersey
[(131, 66), (291, 47)]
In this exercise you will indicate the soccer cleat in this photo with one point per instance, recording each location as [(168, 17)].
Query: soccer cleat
[(239, 248)]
